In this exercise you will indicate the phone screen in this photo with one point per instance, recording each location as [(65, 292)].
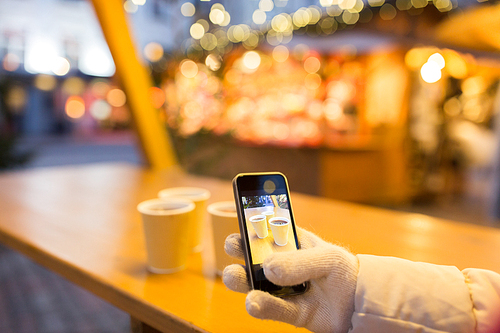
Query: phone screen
[(268, 225)]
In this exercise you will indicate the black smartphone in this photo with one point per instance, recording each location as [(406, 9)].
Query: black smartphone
[(266, 225)]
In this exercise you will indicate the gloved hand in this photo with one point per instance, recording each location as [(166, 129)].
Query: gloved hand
[(332, 271)]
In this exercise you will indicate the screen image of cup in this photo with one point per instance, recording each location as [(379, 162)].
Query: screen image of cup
[(259, 223), (224, 222), (279, 228), (269, 214), (167, 237), (199, 196)]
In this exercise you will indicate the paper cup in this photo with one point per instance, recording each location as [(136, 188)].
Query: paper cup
[(269, 214), (166, 231), (224, 222), (259, 224), (279, 228), (199, 196)]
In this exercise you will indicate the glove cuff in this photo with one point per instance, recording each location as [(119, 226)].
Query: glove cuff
[(345, 279)]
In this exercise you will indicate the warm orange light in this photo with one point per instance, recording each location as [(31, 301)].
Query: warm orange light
[(11, 62), (45, 82), (251, 60), (116, 97), (312, 65), (73, 86), (430, 72), (157, 97), (280, 53), (153, 51), (16, 98), (456, 65), (312, 81), (100, 88), (188, 68), (213, 62), (75, 107)]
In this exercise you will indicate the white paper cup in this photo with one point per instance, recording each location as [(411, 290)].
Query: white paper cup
[(199, 196), (269, 214), (259, 223), (166, 231), (279, 228), (224, 222)]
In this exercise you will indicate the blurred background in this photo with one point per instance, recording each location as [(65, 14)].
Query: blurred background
[(390, 103), (387, 103)]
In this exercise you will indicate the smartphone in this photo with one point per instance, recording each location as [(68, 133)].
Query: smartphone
[(266, 225)]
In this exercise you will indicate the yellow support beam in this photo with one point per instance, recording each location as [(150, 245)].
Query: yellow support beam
[(136, 82)]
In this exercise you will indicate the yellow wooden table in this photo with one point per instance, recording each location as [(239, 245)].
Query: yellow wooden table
[(81, 222)]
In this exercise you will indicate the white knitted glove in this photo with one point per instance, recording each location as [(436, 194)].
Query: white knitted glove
[(332, 271)]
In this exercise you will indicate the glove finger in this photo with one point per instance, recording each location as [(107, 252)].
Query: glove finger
[(262, 305), (233, 246), (291, 268), (235, 278)]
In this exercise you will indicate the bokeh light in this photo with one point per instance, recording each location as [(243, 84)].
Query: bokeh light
[(75, 107), (280, 53), (45, 82), (73, 86), (188, 9), (208, 42), (16, 98), (213, 62), (387, 12), (259, 16), (99, 88), (197, 30), (266, 5), (430, 72), (251, 60), (61, 66), (157, 97), (216, 16), (100, 109), (130, 7), (11, 62), (419, 3), (312, 81), (153, 51), (281, 23), (438, 59), (443, 5), (350, 17), (312, 64), (188, 68), (116, 97)]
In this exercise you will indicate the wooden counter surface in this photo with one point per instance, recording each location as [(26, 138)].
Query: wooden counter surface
[(81, 222)]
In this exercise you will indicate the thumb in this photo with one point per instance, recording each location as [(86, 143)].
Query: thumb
[(262, 305), (291, 268)]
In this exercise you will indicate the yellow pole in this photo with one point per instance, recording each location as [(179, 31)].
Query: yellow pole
[(136, 82)]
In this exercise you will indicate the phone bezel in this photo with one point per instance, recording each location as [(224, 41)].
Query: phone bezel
[(255, 283)]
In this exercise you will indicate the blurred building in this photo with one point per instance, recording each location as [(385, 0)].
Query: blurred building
[(375, 101)]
